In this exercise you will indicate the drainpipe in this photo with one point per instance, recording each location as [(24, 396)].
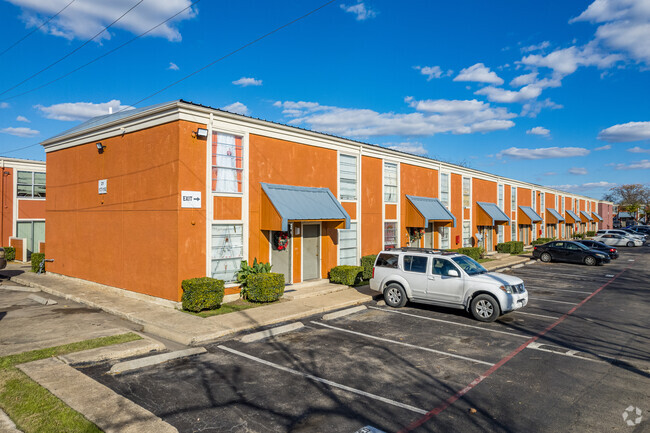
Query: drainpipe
[(2, 205)]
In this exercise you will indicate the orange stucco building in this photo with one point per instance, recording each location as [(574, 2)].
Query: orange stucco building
[(143, 199)]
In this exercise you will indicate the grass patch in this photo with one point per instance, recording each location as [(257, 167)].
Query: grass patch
[(231, 307), (32, 407)]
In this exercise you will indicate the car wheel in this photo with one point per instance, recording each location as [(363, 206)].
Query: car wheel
[(545, 257), (590, 261), (630, 244), (485, 308), (395, 296)]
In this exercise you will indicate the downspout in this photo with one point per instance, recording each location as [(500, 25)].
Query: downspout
[(2, 204)]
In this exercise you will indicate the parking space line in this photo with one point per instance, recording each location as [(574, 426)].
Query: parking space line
[(579, 277), (533, 314), (451, 400), (451, 323), (325, 381), (400, 343), (553, 300), (569, 353), (558, 290)]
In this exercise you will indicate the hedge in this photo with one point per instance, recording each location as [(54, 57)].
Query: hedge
[(367, 263), (512, 247), (579, 235), (202, 294), (37, 258), (591, 233), (265, 287), (473, 252), (10, 253), (540, 241), (346, 274)]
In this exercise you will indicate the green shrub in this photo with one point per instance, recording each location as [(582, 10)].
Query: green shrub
[(346, 274), (540, 241), (579, 236), (37, 258), (10, 253), (511, 247), (473, 252), (246, 271), (266, 287), (367, 263), (591, 233), (202, 294)]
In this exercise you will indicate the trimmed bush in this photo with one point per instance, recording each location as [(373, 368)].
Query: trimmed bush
[(10, 253), (473, 252), (540, 241), (202, 294), (346, 274), (579, 236), (591, 233), (267, 287), (37, 258), (367, 263), (511, 247)]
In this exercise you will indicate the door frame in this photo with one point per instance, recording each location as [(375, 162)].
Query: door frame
[(289, 247), (320, 249)]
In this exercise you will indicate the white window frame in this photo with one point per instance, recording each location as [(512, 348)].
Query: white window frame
[(32, 184), (513, 231), (469, 192), (396, 186), (234, 257), (500, 197), (513, 198), (396, 234), (241, 170), (466, 239), (354, 230), (447, 176), (343, 156)]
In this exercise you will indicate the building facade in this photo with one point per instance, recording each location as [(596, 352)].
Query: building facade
[(22, 207), (146, 198)]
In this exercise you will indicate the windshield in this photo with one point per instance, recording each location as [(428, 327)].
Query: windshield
[(469, 265), (582, 247)]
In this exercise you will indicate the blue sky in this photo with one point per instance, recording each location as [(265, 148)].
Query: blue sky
[(552, 95)]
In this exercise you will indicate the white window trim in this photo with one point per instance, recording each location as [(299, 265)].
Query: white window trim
[(338, 176), (358, 245)]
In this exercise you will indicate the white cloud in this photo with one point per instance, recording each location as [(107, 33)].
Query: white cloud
[(80, 110), (173, 66), (589, 186), (408, 147), (236, 107), (539, 130), (539, 47), (247, 81), (360, 10), (479, 73), (637, 149), (605, 147), (524, 80), (433, 72), (581, 171), (4, 105), (631, 131), (533, 108), (84, 19), (430, 117), (22, 119), (496, 94), (550, 173), (20, 132), (543, 153), (567, 60), (625, 26), (644, 164)]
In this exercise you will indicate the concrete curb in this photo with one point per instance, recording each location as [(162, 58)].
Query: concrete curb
[(256, 336), (6, 424), (42, 300), (123, 367), (114, 352), (342, 313), (19, 289)]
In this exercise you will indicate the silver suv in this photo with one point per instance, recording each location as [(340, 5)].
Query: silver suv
[(447, 279)]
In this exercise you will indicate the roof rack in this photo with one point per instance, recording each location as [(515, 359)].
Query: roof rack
[(423, 250)]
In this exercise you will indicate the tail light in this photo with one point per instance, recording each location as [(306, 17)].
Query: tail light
[(373, 272), (611, 250), (535, 247)]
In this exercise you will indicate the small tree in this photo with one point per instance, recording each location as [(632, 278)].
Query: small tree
[(630, 197)]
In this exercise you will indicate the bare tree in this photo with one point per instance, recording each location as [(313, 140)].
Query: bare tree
[(630, 197)]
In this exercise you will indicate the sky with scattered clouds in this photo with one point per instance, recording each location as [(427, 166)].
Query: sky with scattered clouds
[(555, 95)]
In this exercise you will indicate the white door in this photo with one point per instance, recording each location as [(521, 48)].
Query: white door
[(442, 287)]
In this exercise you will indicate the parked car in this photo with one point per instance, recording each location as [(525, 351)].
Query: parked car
[(569, 251), (603, 248), (641, 230), (447, 279), (618, 240), (3, 259), (620, 232), (632, 232)]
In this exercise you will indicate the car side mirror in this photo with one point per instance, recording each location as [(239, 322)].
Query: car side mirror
[(453, 273)]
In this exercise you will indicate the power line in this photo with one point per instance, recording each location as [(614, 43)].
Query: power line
[(73, 51), (101, 56), (36, 29), (20, 148), (232, 52)]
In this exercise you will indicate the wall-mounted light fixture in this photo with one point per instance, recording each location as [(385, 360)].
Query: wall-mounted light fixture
[(201, 133), (100, 148)]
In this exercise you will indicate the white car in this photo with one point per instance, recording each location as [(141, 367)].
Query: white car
[(621, 233), (618, 240), (446, 279)]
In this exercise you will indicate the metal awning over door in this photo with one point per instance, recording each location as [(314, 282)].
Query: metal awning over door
[(573, 218), (490, 214), (554, 216), (420, 211), (528, 215)]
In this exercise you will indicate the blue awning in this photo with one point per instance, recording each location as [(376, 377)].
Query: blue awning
[(531, 214), (431, 209), (586, 215), (576, 218), (598, 217), (555, 214), (494, 212), (299, 203)]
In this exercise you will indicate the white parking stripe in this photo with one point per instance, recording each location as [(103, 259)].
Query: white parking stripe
[(558, 290), (325, 381), (450, 322), (533, 314), (553, 300), (555, 274), (569, 353), (386, 340)]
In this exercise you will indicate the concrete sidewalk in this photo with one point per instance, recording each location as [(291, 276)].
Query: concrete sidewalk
[(184, 328)]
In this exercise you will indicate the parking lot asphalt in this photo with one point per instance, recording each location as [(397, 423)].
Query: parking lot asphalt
[(576, 358)]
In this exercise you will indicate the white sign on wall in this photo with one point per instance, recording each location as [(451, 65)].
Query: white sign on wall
[(191, 199), (102, 186)]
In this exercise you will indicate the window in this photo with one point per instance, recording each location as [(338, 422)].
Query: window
[(534, 198), (444, 189), (467, 234), (466, 192), (227, 163), (500, 234), (30, 184), (444, 237), (501, 197), (513, 199), (348, 245), (390, 235), (390, 182), (227, 251), (33, 232), (348, 177), (541, 203), (513, 233), (387, 261), (562, 204), (416, 264), (442, 267)]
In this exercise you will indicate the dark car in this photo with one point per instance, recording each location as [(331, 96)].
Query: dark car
[(595, 245), (569, 251), (3, 259)]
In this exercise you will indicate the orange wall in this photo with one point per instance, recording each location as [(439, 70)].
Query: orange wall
[(31, 209), (484, 191), (7, 203), (133, 236), (227, 208), (456, 187), (419, 182), (372, 230)]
